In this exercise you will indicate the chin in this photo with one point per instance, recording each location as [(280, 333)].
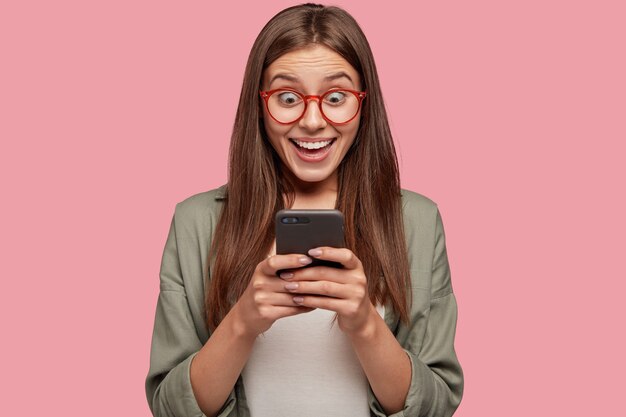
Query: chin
[(311, 177)]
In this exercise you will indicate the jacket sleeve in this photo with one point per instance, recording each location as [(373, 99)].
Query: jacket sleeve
[(174, 344), (436, 385)]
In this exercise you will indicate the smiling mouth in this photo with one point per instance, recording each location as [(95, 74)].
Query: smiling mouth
[(312, 146), (312, 151)]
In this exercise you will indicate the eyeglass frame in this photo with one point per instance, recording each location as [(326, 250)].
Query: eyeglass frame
[(360, 95)]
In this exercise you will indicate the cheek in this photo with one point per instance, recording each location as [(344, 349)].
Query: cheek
[(350, 131)]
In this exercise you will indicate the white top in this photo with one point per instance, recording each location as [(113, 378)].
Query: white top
[(302, 367)]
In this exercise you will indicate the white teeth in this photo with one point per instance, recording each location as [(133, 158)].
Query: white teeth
[(312, 145)]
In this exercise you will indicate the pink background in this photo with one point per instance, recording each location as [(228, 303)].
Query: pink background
[(510, 115)]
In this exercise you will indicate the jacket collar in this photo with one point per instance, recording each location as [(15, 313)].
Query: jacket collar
[(220, 194)]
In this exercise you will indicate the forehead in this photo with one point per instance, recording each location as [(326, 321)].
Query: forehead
[(310, 67)]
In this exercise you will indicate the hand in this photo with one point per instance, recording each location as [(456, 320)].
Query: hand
[(265, 299), (343, 290)]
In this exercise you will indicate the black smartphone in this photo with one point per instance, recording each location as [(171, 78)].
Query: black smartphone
[(297, 231)]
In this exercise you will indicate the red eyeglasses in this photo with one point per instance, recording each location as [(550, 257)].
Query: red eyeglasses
[(337, 106)]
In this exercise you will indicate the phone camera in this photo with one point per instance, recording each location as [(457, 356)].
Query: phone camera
[(294, 220)]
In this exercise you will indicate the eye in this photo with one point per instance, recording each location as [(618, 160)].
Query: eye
[(336, 97), (288, 98)]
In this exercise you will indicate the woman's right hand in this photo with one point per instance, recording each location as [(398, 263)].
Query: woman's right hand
[(265, 299)]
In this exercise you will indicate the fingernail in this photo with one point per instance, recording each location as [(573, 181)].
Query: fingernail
[(291, 286), (305, 260), (286, 275), (315, 252), (298, 299)]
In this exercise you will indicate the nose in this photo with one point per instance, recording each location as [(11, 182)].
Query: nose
[(312, 118)]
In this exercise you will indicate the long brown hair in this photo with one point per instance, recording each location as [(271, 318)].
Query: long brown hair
[(369, 182)]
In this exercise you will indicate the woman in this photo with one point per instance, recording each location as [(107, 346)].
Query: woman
[(231, 338)]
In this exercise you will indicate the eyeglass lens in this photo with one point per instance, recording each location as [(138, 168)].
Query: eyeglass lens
[(338, 106)]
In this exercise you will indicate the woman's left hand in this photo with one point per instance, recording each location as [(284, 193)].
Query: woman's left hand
[(343, 290)]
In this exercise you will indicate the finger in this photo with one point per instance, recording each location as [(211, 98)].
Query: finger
[(277, 262), (324, 273), (292, 311), (279, 312), (326, 303), (325, 288), (274, 299), (342, 255)]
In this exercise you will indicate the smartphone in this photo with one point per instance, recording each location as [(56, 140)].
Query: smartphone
[(297, 231)]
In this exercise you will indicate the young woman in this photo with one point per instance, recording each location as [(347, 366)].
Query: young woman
[(233, 338)]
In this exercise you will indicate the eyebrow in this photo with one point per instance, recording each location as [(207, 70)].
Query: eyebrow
[(295, 79)]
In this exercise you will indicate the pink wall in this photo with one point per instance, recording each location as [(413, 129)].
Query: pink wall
[(510, 116)]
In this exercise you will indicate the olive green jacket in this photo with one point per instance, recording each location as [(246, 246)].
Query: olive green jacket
[(179, 330)]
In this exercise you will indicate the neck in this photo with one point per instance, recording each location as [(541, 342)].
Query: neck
[(315, 195)]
